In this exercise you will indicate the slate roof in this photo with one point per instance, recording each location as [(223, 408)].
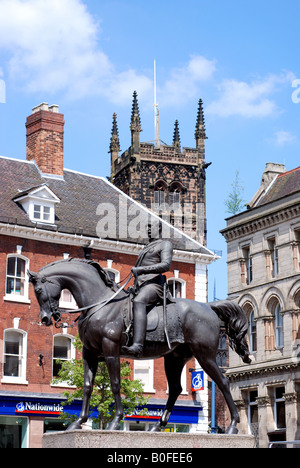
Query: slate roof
[(80, 195), (284, 185)]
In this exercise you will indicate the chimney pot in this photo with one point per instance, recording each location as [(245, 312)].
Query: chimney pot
[(54, 108), (42, 106)]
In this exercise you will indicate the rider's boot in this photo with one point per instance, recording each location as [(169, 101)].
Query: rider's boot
[(139, 331)]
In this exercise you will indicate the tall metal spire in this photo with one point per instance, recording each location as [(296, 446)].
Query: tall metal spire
[(200, 133), (156, 113)]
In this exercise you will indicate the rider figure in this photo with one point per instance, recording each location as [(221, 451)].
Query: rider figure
[(153, 260)]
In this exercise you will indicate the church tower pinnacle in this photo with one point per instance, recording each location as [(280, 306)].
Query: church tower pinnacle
[(176, 137), (135, 125), (200, 133), (114, 147)]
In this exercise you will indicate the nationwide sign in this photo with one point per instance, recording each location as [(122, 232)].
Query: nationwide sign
[(151, 414), (27, 407)]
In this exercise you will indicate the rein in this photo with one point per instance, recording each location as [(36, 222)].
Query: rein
[(75, 311)]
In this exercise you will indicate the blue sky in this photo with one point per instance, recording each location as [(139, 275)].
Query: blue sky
[(88, 56)]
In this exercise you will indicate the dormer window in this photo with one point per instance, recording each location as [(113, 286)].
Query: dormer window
[(39, 204)]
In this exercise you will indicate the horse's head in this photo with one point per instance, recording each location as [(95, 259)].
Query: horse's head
[(47, 293)]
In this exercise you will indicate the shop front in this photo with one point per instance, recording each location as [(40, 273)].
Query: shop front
[(25, 417), (184, 417)]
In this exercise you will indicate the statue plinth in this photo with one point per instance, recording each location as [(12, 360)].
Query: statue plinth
[(140, 440)]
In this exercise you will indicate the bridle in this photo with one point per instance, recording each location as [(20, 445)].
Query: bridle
[(57, 313)]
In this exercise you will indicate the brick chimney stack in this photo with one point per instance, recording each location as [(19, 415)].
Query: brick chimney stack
[(45, 138)]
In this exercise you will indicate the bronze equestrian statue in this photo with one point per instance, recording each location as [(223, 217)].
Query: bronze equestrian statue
[(102, 328), (154, 259)]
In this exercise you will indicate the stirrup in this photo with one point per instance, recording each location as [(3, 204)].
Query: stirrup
[(136, 349)]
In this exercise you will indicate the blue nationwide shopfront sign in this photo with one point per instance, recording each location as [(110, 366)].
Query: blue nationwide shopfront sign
[(49, 408), (24, 406)]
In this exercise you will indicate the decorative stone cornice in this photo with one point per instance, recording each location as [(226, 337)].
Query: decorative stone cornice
[(260, 370), (261, 221), (57, 237)]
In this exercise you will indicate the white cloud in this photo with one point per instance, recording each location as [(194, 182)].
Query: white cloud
[(283, 137), (183, 82), (54, 46), (253, 99)]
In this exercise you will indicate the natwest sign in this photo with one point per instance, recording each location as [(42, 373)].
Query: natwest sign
[(27, 407)]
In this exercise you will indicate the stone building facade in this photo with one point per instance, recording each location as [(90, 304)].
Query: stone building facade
[(263, 255)]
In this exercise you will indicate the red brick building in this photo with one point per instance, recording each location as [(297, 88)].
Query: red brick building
[(48, 213)]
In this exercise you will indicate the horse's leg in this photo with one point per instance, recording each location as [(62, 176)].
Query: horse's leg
[(209, 365), (112, 359), (90, 365), (173, 369)]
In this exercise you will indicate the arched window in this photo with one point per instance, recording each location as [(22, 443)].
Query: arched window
[(177, 287), (175, 195), (296, 317), (278, 326), (160, 195), (252, 332), (66, 300), (16, 278), (14, 356), (274, 324), (113, 274), (63, 350), (222, 353)]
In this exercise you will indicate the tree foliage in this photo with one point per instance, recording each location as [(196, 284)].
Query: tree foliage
[(235, 202), (102, 399)]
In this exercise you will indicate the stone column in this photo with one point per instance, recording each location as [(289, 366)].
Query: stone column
[(292, 411), (265, 419)]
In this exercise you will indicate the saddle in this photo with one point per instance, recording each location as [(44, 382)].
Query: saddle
[(155, 322)]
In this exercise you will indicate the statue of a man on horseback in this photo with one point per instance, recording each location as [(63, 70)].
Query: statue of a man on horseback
[(154, 259), (101, 326)]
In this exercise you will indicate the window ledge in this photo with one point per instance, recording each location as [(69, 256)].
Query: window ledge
[(14, 380), (63, 385), (68, 305), (149, 390), (12, 298)]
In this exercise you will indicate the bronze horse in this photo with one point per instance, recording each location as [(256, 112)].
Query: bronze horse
[(101, 330)]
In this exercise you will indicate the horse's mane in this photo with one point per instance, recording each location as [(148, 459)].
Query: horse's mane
[(101, 272)]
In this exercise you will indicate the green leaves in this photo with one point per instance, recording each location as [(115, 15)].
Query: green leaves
[(235, 203), (102, 399)]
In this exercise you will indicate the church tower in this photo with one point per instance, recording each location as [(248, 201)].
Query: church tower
[(168, 179)]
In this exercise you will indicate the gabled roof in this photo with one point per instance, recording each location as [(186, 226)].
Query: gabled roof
[(284, 185), (78, 211), (40, 192)]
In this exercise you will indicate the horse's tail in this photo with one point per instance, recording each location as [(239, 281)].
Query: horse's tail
[(236, 325)]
